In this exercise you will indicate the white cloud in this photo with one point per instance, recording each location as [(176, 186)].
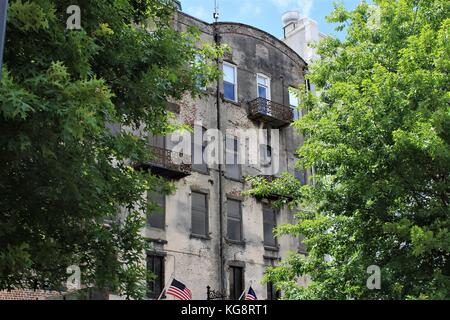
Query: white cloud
[(304, 6)]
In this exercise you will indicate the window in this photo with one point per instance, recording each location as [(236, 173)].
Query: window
[(234, 220), (199, 214), (230, 82), (198, 154), (233, 168), (200, 80), (294, 103), (269, 218), (263, 86), (236, 282), (157, 217), (272, 292), (155, 265), (158, 142), (266, 150), (301, 175)]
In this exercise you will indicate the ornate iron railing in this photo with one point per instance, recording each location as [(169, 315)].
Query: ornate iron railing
[(271, 112), (164, 159), (214, 295)]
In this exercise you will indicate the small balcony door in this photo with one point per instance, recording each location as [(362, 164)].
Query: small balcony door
[(263, 84)]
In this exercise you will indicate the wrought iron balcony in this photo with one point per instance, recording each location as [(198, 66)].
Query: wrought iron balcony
[(271, 112), (163, 164)]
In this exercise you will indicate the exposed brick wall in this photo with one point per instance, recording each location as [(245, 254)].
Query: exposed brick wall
[(27, 294)]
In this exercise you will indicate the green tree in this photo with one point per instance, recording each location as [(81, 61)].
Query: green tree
[(69, 102), (379, 141)]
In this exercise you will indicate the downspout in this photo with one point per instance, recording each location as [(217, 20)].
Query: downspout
[(221, 172)]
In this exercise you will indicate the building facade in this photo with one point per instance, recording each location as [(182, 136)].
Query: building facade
[(207, 234)]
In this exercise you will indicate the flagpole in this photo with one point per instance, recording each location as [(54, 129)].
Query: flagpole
[(167, 284), (245, 291)]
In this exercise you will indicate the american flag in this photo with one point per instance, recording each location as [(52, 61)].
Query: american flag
[(251, 295), (179, 290)]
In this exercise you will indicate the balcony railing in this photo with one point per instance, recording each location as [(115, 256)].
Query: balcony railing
[(275, 114), (163, 163)]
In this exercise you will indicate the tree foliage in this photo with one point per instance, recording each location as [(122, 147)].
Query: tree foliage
[(70, 101), (379, 140)]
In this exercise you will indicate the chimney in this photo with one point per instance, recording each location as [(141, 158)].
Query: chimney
[(290, 21)]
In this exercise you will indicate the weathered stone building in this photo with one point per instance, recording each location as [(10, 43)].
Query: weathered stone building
[(208, 234)]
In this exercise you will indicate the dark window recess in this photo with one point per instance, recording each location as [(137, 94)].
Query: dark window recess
[(302, 176), (198, 154), (272, 292), (233, 168), (157, 217), (155, 265), (302, 247), (236, 282), (234, 220), (269, 216), (199, 214), (266, 150)]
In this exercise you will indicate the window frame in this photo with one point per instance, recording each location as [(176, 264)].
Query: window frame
[(206, 195), (236, 147), (163, 213), (269, 85), (296, 110), (161, 277), (273, 245), (239, 219), (235, 68), (233, 288), (195, 167)]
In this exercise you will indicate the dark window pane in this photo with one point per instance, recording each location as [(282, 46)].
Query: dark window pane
[(262, 91), (234, 208), (199, 214), (234, 230), (229, 91), (234, 225), (301, 175), (156, 218), (155, 265), (236, 283), (269, 225), (272, 293)]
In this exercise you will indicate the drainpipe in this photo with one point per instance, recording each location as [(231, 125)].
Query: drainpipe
[(221, 173)]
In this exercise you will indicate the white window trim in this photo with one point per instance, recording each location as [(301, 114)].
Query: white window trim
[(235, 80), (269, 81)]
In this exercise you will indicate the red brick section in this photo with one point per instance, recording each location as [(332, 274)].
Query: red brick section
[(26, 294)]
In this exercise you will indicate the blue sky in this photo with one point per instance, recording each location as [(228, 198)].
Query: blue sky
[(266, 14)]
